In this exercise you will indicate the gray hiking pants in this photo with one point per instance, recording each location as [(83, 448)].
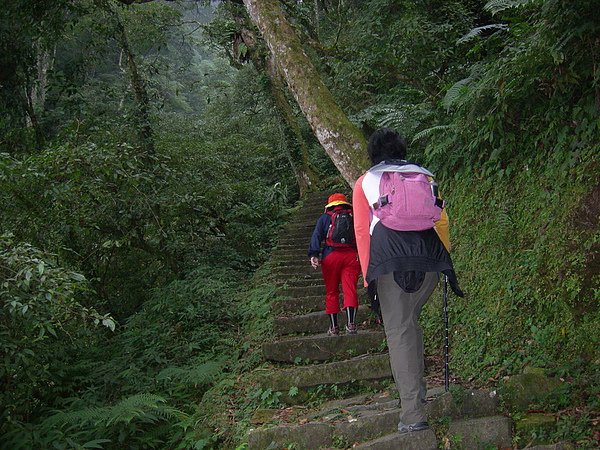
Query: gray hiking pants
[(400, 311)]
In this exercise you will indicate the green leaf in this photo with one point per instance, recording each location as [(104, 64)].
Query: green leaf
[(496, 6), (475, 32), (51, 330), (77, 276), (96, 443), (109, 323)]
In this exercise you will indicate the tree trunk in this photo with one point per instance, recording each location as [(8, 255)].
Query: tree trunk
[(44, 63), (305, 175), (304, 171), (342, 141), (139, 90)]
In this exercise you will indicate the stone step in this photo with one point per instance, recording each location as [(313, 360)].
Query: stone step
[(419, 440), (314, 322), (323, 347), (483, 432), (307, 216), (302, 282), (294, 251), (282, 253), (319, 435), (558, 446), (301, 268), (302, 291), (299, 287), (304, 304), (282, 258), (300, 236), (299, 232), (370, 422), (299, 247), (303, 221), (300, 305), (477, 433), (367, 367), (295, 227), (292, 260), (303, 239), (357, 418), (310, 210), (316, 201)]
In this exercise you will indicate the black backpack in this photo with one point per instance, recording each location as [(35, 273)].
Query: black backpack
[(341, 229)]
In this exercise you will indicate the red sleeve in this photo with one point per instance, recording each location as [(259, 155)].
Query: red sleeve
[(362, 224)]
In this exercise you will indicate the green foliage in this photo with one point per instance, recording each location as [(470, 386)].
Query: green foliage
[(164, 239), (528, 90), (128, 421), (340, 441), (499, 100), (239, 387), (529, 297), (42, 319)]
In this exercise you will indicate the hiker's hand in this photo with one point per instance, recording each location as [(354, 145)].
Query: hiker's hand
[(314, 262)]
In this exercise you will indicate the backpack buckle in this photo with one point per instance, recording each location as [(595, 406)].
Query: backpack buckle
[(382, 201)]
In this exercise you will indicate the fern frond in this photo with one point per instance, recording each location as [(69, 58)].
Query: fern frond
[(496, 6), (136, 406), (146, 407), (455, 92), (202, 374), (475, 32), (428, 131), (79, 417), (393, 118)]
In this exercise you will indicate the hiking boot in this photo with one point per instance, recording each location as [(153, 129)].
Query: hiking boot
[(418, 426), (333, 331), (351, 328)]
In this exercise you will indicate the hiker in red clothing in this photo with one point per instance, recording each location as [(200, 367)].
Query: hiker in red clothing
[(338, 260)]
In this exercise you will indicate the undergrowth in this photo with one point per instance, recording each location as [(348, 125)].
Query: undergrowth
[(223, 416), (525, 247)]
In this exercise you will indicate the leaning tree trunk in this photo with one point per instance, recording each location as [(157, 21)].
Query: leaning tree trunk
[(343, 142), (306, 176)]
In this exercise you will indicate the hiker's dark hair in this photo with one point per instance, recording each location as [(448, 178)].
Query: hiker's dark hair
[(386, 143)]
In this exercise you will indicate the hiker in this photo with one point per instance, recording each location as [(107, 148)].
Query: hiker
[(338, 260), (404, 257)]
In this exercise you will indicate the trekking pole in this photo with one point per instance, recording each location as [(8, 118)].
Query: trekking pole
[(446, 342)]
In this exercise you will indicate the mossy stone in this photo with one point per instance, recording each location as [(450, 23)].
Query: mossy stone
[(532, 424), (263, 415), (520, 391), (535, 370)]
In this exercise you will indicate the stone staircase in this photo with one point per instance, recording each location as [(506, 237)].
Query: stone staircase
[(305, 359)]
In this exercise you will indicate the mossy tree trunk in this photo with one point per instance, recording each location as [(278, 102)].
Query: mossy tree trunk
[(342, 141), (306, 176), (305, 173)]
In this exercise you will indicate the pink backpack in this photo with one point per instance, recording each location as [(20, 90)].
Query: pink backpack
[(407, 201)]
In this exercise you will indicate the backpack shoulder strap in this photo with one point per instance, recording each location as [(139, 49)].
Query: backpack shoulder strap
[(399, 166)]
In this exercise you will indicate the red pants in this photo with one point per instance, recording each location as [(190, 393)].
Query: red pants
[(341, 265)]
